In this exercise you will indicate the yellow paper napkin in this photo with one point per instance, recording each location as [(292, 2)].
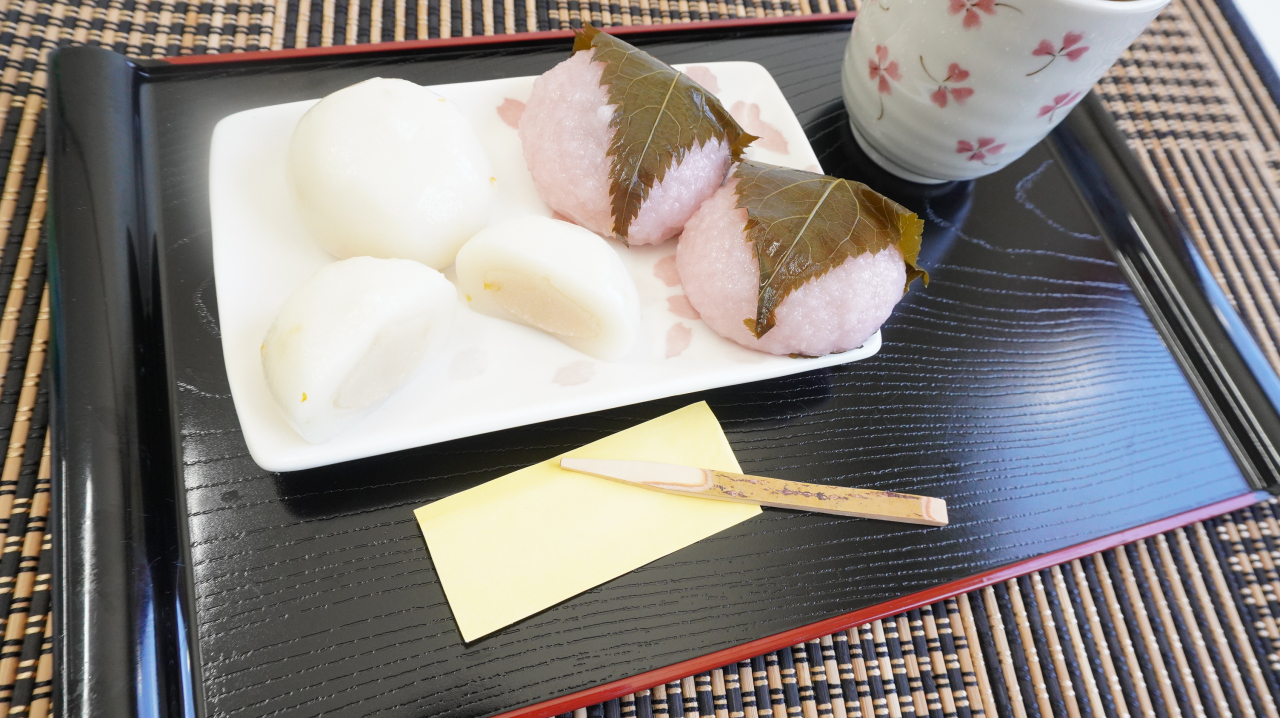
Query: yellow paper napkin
[(524, 542)]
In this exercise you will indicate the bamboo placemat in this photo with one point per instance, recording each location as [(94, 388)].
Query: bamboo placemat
[(1183, 623)]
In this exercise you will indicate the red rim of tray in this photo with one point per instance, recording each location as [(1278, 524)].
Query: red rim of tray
[(430, 44), (751, 649)]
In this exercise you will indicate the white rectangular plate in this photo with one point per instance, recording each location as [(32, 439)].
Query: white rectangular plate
[(492, 374)]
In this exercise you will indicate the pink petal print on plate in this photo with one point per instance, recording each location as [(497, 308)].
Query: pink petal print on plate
[(678, 339), (510, 112), (680, 306), (705, 77), (939, 96), (955, 73), (770, 137), (574, 373), (665, 269), (469, 364), (960, 94)]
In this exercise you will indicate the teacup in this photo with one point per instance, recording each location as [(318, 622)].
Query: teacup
[(942, 90)]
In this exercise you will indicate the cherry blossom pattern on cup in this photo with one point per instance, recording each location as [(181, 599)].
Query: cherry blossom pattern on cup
[(985, 147), (1059, 102), (970, 9), (948, 86), (882, 71), (1068, 49)]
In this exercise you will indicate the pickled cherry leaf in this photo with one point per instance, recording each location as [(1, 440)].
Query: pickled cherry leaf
[(802, 225), (659, 116)]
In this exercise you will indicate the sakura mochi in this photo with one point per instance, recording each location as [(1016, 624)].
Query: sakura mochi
[(350, 336), (622, 143), (553, 276), (386, 168), (815, 263)]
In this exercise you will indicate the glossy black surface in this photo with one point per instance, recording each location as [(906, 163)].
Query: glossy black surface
[(1026, 385), (122, 589)]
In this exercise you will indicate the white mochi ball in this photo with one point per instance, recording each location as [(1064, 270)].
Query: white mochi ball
[(553, 276), (387, 168), (350, 336)]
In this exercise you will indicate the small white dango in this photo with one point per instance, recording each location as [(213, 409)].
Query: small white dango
[(553, 276), (352, 334), (387, 168)]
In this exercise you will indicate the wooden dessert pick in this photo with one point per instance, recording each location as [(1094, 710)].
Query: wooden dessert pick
[(726, 486)]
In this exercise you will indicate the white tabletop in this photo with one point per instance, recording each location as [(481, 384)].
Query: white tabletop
[(1263, 17)]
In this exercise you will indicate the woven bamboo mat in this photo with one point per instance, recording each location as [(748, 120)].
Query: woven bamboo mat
[(1185, 623)]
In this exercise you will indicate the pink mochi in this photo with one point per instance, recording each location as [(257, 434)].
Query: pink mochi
[(833, 313), (565, 134)]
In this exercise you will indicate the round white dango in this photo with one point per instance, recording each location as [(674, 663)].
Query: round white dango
[(553, 276), (387, 168), (350, 336)]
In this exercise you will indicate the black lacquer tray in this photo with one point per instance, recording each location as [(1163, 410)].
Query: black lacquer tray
[(1071, 379)]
